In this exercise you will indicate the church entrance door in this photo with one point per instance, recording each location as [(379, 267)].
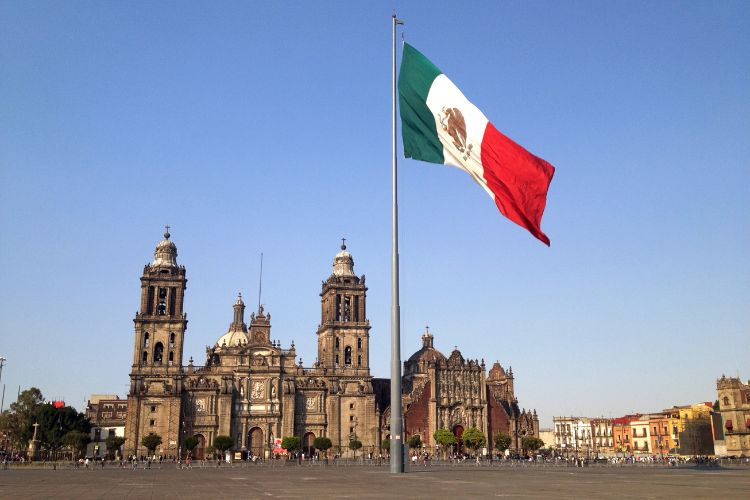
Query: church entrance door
[(458, 430), (307, 444), (200, 449), (255, 441)]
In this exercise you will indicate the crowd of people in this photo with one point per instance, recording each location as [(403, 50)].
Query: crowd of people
[(417, 459)]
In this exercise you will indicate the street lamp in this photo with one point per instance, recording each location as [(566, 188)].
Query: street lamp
[(2, 401)]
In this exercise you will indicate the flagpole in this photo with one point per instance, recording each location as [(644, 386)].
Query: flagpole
[(397, 457)]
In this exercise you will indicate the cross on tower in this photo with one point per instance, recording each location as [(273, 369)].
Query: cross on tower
[(343, 243)]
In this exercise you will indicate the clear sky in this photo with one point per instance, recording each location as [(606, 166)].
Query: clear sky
[(256, 127)]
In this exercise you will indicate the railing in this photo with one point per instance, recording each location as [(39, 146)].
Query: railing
[(467, 463)]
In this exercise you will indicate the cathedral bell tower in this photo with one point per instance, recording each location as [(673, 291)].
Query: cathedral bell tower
[(160, 324), (154, 399), (344, 331)]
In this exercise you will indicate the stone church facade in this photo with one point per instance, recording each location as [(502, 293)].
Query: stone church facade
[(455, 393), (252, 389)]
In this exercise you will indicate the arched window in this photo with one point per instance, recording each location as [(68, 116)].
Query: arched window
[(158, 352), (337, 360), (145, 339), (145, 356), (338, 345), (348, 355), (726, 400), (171, 340), (347, 309), (161, 307), (359, 343), (171, 358), (359, 360)]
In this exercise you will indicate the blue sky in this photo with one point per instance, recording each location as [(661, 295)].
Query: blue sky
[(265, 127)]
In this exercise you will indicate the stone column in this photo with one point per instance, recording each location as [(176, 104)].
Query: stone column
[(244, 434)]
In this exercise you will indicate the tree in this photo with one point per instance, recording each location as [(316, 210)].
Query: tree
[(502, 442), (113, 444), (291, 444), (223, 443), (415, 441), (386, 445), (11, 426), (445, 439), (17, 423), (190, 443), (210, 450), (473, 438), (531, 443), (323, 444), (151, 442), (77, 441), (354, 445), (55, 423)]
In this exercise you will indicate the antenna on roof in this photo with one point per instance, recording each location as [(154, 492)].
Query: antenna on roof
[(260, 279)]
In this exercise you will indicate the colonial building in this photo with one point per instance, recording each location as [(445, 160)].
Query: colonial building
[(256, 391), (690, 429), (622, 434), (734, 406), (583, 436), (640, 431), (107, 414), (573, 436)]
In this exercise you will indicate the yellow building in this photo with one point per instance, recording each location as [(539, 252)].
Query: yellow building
[(689, 428)]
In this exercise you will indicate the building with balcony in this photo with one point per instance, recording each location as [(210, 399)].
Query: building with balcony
[(107, 414), (734, 407)]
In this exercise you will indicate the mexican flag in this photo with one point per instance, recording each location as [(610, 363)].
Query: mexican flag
[(440, 125)]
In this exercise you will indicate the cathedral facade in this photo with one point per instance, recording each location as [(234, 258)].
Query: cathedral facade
[(255, 391)]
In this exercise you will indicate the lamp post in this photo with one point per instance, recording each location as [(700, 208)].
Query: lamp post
[(2, 401)]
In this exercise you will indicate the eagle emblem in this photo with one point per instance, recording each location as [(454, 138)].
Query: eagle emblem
[(452, 121)]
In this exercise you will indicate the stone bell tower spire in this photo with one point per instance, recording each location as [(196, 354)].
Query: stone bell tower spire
[(344, 331), (161, 323), (343, 263)]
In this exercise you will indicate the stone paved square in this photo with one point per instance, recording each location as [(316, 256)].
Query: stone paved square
[(377, 482)]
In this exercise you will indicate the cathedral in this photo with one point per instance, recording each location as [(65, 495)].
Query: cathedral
[(256, 391)]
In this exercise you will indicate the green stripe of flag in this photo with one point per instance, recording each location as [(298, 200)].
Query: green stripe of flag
[(418, 127)]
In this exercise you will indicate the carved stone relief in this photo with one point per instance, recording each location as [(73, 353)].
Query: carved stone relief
[(258, 389)]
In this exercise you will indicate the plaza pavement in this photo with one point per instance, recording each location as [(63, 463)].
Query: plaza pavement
[(376, 482)]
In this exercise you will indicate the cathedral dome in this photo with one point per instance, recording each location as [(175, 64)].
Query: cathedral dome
[(232, 338), (343, 263), (165, 254), (427, 353)]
